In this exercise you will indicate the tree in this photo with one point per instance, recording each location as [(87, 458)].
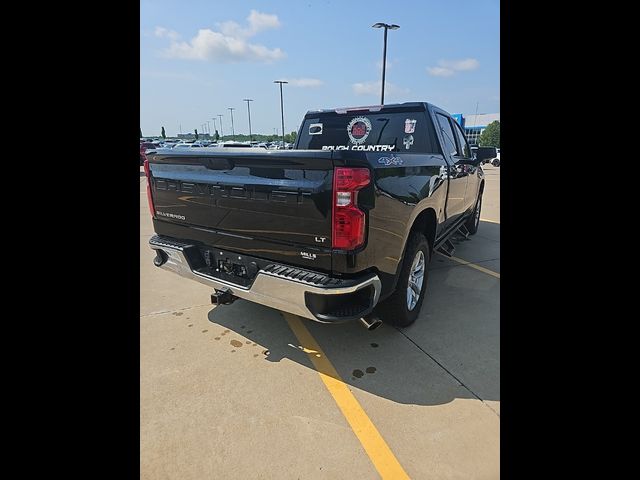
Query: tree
[(196, 132), (490, 137), (216, 136), (290, 137), (163, 134)]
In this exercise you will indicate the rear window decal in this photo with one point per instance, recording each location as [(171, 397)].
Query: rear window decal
[(409, 125), (408, 141), (315, 129), (364, 148), (358, 129)]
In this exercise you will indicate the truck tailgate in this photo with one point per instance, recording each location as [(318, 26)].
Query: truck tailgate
[(270, 204)]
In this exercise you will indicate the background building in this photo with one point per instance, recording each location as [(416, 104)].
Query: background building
[(474, 125)]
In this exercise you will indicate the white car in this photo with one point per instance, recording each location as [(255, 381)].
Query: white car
[(496, 161), (189, 145)]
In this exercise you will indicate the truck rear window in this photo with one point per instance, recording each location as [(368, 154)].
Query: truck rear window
[(410, 132)]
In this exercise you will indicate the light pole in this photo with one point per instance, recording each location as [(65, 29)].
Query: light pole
[(249, 111), (386, 27), (233, 132), (209, 127), (221, 131), (281, 107), (475, 119)]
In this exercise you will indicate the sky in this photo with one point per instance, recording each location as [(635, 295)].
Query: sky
[(199, 58)]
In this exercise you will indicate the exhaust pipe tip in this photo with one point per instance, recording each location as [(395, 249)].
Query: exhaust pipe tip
[(370, 322)]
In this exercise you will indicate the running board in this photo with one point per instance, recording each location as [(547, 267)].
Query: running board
[(463, 232), (447, 248)]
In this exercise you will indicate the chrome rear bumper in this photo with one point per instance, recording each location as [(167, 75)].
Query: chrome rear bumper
[(268, 289)]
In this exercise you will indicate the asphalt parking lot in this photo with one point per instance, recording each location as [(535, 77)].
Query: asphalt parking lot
[(244, 391)]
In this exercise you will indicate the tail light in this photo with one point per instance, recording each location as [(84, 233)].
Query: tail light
[(348, 220), (152, 208)]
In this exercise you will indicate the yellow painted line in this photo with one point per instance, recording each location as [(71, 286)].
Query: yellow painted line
[(477, 267), (374, 445), (490, 221)]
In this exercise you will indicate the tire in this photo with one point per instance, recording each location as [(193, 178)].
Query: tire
[(395, 310), (495, 162), (473, 222)]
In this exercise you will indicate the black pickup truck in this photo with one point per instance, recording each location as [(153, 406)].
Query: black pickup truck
[(339, 228)]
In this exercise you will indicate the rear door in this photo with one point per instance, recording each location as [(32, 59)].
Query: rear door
[(457, 173)]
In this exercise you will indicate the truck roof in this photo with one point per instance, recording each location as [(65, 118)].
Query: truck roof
[(421, 106)]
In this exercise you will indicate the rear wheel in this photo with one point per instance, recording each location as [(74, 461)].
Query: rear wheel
[(402, 307), (473, 222)]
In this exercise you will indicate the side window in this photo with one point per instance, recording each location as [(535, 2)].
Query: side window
[(462, 142), (447, 134)]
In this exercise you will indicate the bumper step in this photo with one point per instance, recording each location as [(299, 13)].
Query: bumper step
[(302, 292)]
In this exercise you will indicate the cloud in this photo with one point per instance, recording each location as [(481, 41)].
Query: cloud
[(460, 65), (230, 44), (446, 68), (440, 71), (374, 88), (304, 82), (166, 33), (257, 23)]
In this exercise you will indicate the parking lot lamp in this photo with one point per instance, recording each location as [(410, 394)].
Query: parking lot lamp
[(221, 131), (249, 111), (233, 132), (281, 107), (386, 27)]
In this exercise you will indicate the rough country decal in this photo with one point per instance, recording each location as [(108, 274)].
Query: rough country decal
[(359, 129), (171, 215), (365, 148), (392, 160)]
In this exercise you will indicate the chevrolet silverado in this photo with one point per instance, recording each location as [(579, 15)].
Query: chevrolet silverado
[(340, 228)]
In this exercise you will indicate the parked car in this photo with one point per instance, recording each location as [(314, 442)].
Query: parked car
[(496, 161), (144, 146), (484, 154), (342, 228), (189, 145), (235, 145)]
